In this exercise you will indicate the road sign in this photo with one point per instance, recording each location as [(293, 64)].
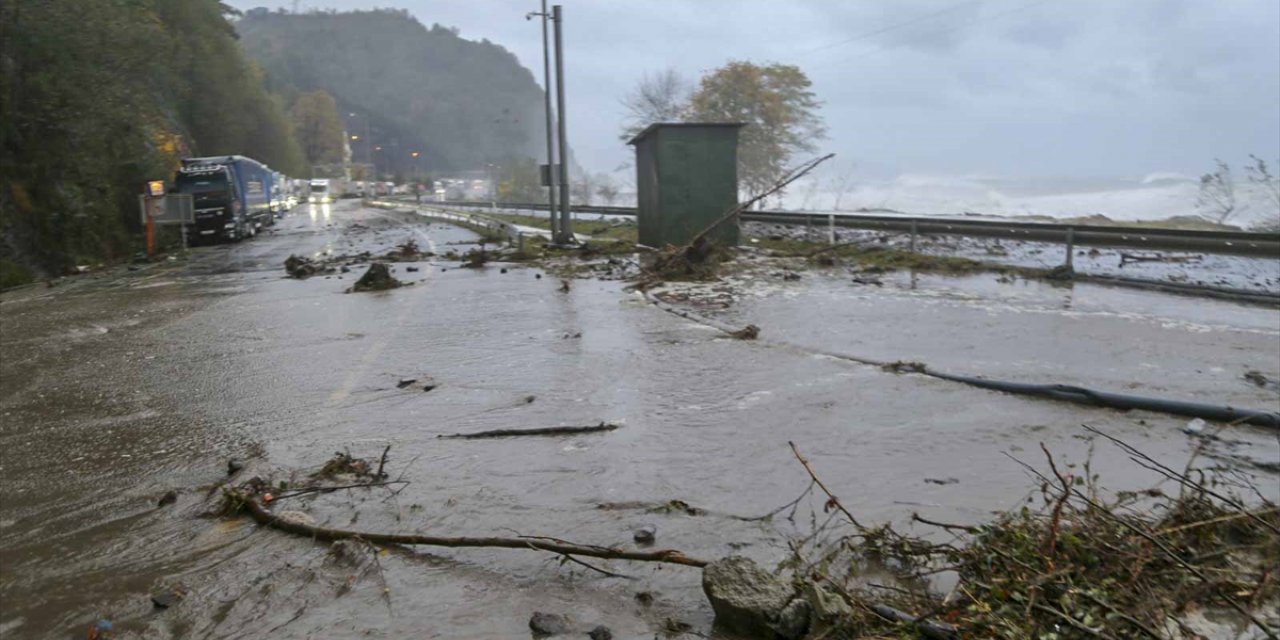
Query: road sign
[(155, 188), (171, 208)]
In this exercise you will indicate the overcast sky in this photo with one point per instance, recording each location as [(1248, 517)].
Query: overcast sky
[(977, 88)]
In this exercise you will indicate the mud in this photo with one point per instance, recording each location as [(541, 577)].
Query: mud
[(122, 386)]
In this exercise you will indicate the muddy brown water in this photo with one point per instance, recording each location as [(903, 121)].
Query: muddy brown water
[(119, 387)]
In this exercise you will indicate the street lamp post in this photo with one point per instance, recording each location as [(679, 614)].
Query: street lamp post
[(546, 99), (566, 226)]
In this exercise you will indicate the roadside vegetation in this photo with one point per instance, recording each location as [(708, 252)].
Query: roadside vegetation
[(99, 96)]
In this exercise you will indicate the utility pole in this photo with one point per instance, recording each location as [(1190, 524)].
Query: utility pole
[(566, 226), (552, 178)]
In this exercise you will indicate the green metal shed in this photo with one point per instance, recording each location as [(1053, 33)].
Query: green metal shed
[(686, 179)]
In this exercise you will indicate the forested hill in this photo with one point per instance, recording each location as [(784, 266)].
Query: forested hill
[(463, 103)]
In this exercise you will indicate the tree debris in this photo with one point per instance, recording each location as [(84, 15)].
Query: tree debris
[(543, 431), (1081, 567)]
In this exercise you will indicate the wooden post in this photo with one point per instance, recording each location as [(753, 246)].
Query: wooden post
[(831, 228), (1071, 245), (914, 230), (151, 227)]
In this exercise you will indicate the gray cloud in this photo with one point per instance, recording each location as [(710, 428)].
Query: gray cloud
[(997, 87)]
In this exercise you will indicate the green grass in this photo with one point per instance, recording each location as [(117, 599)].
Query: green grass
[(888, 258)]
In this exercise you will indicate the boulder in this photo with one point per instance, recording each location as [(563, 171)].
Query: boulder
[(752, 602), (548, 624)]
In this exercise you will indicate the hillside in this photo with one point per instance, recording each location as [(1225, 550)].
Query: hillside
[(92, 108), (462, 103)]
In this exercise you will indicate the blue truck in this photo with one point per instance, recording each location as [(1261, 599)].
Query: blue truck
[(231, 195)]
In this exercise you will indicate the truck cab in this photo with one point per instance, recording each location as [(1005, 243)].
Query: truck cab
[(320, 191), (218, 210)]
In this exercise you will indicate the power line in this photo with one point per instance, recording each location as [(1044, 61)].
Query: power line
[(1017, 9), (891, 27)]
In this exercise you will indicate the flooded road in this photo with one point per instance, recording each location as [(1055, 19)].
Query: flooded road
[(117, 389)]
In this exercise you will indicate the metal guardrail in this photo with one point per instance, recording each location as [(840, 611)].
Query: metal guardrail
[(515, 235), (1241, 243)]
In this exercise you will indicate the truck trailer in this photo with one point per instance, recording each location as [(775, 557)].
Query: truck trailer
[(232, 195)]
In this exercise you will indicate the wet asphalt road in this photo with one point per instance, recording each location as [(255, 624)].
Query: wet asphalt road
[(118, 388)]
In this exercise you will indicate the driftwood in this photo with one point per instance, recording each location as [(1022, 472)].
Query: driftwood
[(543, 431), (262, 516)]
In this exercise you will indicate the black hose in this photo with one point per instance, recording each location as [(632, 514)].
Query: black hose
[(1082, 395)]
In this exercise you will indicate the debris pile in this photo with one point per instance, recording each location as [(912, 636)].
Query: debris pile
[(475, 258), (377, 278), (302, 268), (1139, 564)]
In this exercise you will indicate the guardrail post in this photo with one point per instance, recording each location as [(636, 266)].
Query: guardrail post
[(831, 228), (914, 230), (808, 228), (1071, 246)]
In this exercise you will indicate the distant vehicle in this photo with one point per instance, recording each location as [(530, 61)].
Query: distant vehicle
[(282, 199), (320, 190), (231, 195)]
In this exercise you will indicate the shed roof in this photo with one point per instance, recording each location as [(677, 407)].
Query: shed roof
[(655, 126)]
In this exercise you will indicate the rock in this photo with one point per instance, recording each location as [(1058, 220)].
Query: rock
[(645, 534), (377, 278), (537, 276), (351, 553), (752, 602), (410, 268), (644, 598), (601, 632), (404, 382), (166, 596), (345, 269), (168, 498), (941, 480), (299, 267), (1195, 427), (234, 466), (429, 386), (548, 624), (502, 270)]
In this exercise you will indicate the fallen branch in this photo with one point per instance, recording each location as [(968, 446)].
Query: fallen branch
[(832, 500), (782, 183), (544, 431), (362, 485), (262, 516)]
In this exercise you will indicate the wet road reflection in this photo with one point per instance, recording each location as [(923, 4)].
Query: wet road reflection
[(118, 391)]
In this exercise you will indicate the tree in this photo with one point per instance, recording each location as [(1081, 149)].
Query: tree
[(582, 188), (659, 97), (317, 127), (1263, 180), (777, 107), (519, 180), (1217, 200), (608, 191)]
